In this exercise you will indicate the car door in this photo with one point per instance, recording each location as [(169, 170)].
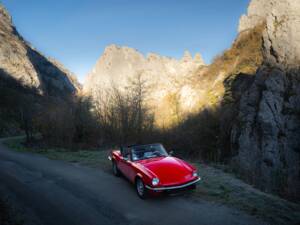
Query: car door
[(126, 165)]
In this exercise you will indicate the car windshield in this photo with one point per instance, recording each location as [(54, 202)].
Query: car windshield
[(148, 151)]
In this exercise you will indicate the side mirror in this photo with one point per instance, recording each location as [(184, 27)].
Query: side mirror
[(171, 153)]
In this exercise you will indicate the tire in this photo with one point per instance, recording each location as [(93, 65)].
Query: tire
[(115, 169), (141, 190)]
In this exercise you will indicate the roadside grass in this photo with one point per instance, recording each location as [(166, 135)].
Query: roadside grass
[(216, 184), (91, 158), (225, 188)]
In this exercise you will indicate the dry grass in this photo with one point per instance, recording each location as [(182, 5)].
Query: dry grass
[(91, 158), (244, 57), (225, 188)]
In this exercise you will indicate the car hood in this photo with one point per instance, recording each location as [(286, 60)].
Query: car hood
[(169, 170)]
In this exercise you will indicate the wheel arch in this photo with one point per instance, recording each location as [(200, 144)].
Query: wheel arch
[(138, 176)]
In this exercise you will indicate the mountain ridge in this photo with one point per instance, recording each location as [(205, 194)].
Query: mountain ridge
[(119, 66), (30, 67)]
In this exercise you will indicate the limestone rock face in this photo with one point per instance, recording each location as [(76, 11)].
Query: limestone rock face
[(114, 67), (266, 134), (13, 53), (164, 77), (258, 11), (28, 66), (282, 34), (198, 59)]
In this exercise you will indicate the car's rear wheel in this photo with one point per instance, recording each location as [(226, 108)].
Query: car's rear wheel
[(115, 169), (141, 190)]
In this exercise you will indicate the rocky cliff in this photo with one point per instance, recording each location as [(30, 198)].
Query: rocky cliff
[(26, 65), (163, 77), (282, 33), (266, 134)]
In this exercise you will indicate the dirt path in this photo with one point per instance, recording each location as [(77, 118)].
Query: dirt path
[(54, 192)]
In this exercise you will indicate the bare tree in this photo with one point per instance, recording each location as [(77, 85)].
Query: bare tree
[(124, 113)]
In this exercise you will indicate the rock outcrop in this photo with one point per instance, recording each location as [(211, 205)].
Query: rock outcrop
[(164, 78), (266, 134), (28, 66), (282, 34)]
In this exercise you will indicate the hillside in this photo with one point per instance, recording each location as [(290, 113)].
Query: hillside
[(29, 82), (26, 65), (254, 88), (166, 81), (252, 92)]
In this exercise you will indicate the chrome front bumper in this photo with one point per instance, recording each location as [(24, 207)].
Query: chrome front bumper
[(173, 187)]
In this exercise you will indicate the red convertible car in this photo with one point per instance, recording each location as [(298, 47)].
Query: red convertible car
[(152, 169)]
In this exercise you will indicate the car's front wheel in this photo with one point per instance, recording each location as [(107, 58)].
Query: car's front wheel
[(140, 188), (115, 169)]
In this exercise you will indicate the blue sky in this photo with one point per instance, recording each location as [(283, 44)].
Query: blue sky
[(75, 32)]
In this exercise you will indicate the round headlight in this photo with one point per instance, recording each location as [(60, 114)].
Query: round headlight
[(195, 174), (155, 181)]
